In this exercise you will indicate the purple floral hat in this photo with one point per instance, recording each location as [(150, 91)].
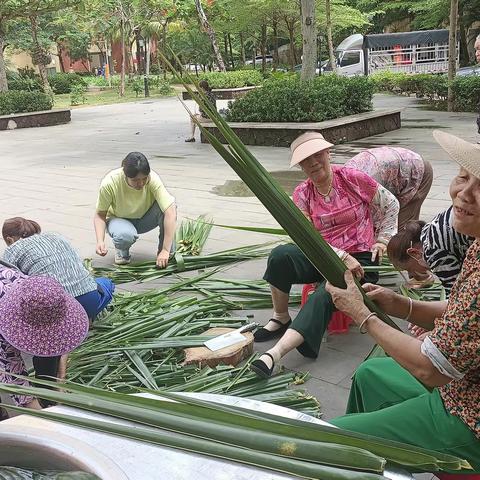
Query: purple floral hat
[(38, 317)]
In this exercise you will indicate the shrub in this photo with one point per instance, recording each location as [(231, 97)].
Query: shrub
[(25, 79), (77, 95), (96, 81), (467, 93), (433, 87), (63, 82), (21, 102), (165, 88), (234, 79), (291, 100)]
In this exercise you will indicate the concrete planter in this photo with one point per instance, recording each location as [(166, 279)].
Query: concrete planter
[(339, 130), (224, 93), (45, 118)]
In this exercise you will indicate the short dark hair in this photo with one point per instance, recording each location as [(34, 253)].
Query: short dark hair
[(19, 227), (403, 240), (203, 84), (135, 163)]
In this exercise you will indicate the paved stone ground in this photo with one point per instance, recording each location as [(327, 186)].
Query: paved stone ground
[(52, 175)]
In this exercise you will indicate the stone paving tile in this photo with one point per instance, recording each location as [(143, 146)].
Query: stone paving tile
[(52, 175)]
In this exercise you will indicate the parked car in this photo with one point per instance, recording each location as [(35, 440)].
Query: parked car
[(259, 60), (467, 71)]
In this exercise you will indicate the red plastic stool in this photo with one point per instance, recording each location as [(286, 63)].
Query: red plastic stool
[(458, 476), (339, 322)]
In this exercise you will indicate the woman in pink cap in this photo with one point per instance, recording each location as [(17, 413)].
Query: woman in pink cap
[(355, 215), (37, 317)]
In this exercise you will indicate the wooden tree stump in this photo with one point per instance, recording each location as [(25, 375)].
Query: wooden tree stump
[(231, 355)]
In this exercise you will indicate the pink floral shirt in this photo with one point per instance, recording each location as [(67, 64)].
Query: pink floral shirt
[(345, 221), (399, 170), (10, 358)]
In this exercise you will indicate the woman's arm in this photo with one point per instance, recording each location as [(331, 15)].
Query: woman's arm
[(100, 224), (169, 226), (384, 209), (404, 349)]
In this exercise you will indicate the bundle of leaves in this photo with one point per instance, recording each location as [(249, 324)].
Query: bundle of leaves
[(234, 79), (292, 100), (21, 101), (63, 82)]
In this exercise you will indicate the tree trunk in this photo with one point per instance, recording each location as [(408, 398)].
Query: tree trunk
[(242, 49), (211, 34), (3, 71), (464, 58), (232, 61), (147, 56), (39, 54), (263, 47), (275, 44), (124, 54), (309, 34), (291, 37), (452, 52), (225, 48), (60, 58), (331, 53), (164, 48)]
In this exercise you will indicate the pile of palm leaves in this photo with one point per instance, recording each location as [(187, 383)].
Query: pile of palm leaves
[(191, 235), (139, 344), (268, 441), (147, 271)]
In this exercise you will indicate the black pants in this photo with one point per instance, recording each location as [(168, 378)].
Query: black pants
[(287, 265), (45, 369)]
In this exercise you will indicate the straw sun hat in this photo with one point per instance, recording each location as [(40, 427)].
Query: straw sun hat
[(466, 154), (39, 318), (305, 145)]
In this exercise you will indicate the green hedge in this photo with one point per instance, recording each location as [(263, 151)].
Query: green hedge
[(63, 82), (21, 102), (291, 100), (432, 87), (234, 79)]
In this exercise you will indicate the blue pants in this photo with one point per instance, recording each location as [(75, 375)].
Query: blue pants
[(125, 232), (94, 302)]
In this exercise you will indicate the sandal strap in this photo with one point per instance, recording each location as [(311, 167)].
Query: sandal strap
[(269, 355), (278, 322)]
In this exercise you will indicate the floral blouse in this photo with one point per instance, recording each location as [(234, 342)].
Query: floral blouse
[(454, 344), (10, 358), (357, 213), (398, 169)]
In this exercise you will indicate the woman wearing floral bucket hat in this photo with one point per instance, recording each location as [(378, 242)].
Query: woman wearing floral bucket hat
[(37, 317), (426, 392)]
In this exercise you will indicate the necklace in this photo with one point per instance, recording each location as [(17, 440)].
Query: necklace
[(326, 196)]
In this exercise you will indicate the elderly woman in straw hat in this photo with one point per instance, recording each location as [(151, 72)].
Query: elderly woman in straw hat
[(39, 318), (426, 393), (355, 215)]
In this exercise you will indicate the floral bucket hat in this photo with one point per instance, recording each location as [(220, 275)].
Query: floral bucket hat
[(38, 317)]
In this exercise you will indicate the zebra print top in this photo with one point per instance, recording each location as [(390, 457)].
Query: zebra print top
[(444, 248)]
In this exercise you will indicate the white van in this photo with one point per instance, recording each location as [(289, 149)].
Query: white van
[(424, 51)]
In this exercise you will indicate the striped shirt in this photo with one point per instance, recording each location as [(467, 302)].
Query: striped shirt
[(51, 255), (444, 249)]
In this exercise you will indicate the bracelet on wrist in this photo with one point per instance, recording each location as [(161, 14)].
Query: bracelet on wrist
[(366, 319), (410, 309)]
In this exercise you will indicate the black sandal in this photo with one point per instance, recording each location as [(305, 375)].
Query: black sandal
[(260, 367), (264, 335)]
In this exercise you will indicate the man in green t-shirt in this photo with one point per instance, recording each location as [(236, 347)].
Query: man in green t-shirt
[(133, 200)]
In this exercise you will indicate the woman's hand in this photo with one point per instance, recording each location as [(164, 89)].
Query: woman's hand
[(101, 249), (378, 251), (383, 297), (354, 266), (349, 300), (162, 258)]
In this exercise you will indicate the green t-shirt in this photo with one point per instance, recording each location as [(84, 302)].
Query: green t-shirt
[(120, 200)]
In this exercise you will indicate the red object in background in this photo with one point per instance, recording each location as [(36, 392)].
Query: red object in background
[(339, 322)]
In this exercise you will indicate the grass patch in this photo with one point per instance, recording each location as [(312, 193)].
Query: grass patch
[(105, 97)]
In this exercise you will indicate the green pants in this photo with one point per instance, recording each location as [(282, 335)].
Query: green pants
[(388, 402), (287, 265)]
